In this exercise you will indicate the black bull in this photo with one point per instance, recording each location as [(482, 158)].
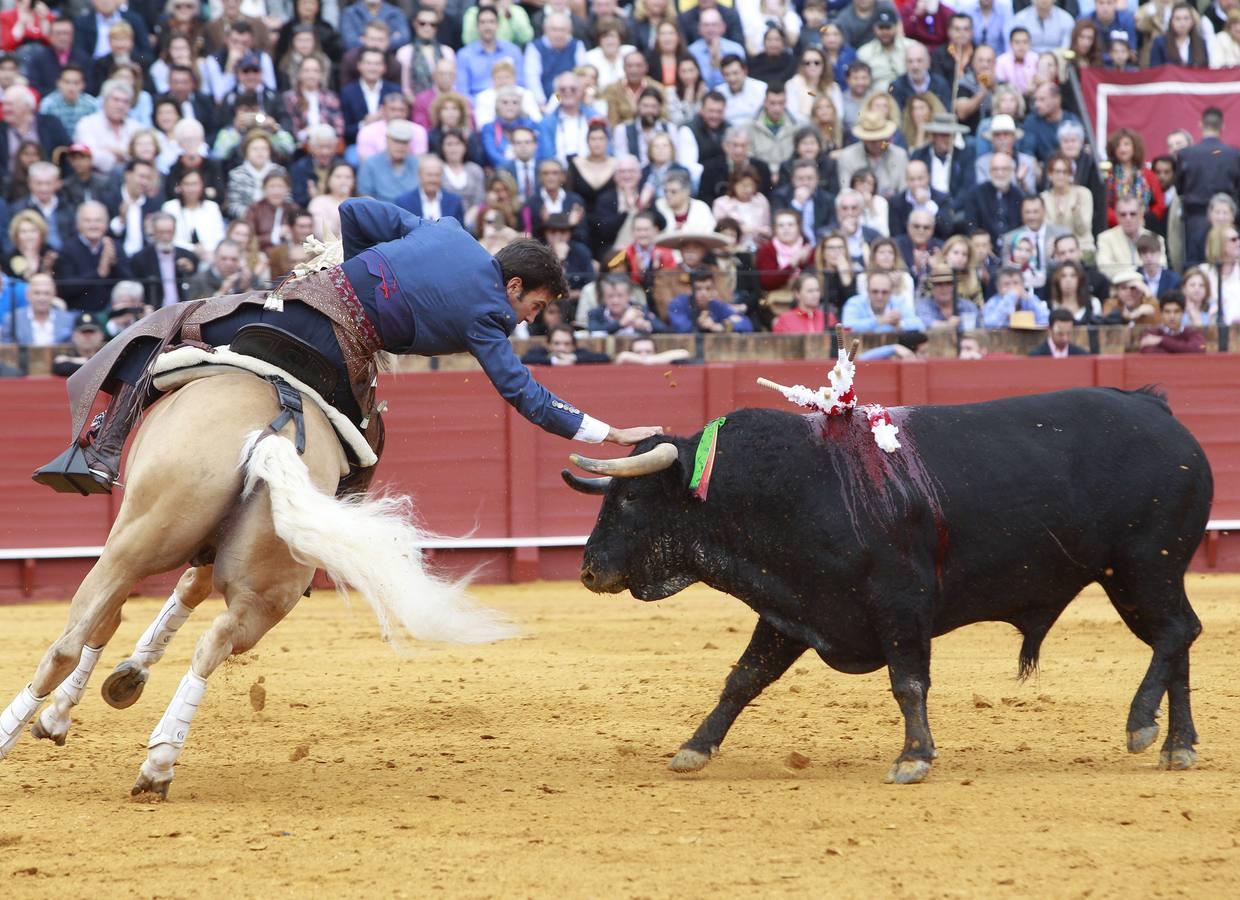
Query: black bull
[(1001, 511)]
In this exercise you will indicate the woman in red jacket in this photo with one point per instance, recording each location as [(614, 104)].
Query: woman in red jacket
[(1130, 178), (782, 258), (27, 21)]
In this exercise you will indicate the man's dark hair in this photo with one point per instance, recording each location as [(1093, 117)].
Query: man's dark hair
[(648, 216), (1021, 29), (486, 9), (1170, 160), (912, 339), (1062, 315), (241, 26), (700, 275), (775, 87), (1033, 198), (72, 67), (535, 264), (1148, 243), (858, 65), (565, 329), (960, 15), (730, 59), (177, 67), (650, 92), (1169, 297), (368, 50), (134, 163), (1212, 119), (715, 97), (248, 99)]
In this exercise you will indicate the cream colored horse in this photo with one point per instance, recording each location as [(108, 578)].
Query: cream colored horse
[(205, 481)]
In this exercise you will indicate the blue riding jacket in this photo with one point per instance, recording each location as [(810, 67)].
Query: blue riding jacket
[(430, 288)]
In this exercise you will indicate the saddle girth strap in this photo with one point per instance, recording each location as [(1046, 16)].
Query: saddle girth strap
[(289, 399)]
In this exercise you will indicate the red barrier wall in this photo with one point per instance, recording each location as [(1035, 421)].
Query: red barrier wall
[(476, 468)]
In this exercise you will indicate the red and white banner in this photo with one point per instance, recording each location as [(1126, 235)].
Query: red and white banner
[(1155, 102)]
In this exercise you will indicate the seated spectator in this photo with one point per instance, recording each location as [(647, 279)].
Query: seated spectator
[(944, 309), (245, 182), (703, 311), (31, 254), (21, 121), (919, 195), (497, 134), (1003, 135), (710, 47), (1129, 177), (635, 135), (874, 207), (324, 209), (957, 254), (781, 260), (372, 138), (742, 95), (81, 181), (642, 258), (503, 76), (1223, 256), (994, 204), (1070, 290), (1013, 296), (1069, 206), (199, 222), (310, 172), (875, 151), (561, 350), (443, 81), (624, 95), (660, 162), (807, 315), (269, 217), (554, 54), (91, 263), (40, 323), (618, 314), (128, 306), (69, 103), (908, 346), (430, 201), (1117, 247), (227, 274), (190, 153), (573, 255), (678, 209), (309, 102), (817, 210), (887, 256), (108, 132), (1173, 336), (773, 61), (589, 175), (360, 101), (642, 352), (162, 266), (609, 50), (134, 204), (375, 36), (918, 79), (247, 119), (836, 269), (917, 245), (808, 144), (393, 173), (1182, 44), (878, 310), (291, 251), (87, 339), (552, 198), (1058, 343), (44, 200), (1158, 278), (748, 207), (1196, 290)]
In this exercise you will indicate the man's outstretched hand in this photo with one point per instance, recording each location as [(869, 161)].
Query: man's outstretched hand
[(626, 437)]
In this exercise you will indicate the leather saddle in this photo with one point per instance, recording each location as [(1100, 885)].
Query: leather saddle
[(287, 351)]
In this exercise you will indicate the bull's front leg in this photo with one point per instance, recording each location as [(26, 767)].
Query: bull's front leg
[(908, 663), (767, 657)]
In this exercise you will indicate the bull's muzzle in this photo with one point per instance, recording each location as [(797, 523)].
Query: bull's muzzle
[(601, 582)]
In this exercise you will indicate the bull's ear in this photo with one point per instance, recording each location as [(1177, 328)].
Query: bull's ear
[(586, 485)]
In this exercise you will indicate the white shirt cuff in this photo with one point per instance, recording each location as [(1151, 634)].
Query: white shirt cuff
[(592, 431)]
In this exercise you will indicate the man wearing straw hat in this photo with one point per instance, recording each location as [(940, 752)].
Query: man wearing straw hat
[(874, 149), (1003, 135)]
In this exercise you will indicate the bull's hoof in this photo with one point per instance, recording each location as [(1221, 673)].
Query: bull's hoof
[(1177, 760), (43, 733), (123, 687), (908, 771), (1142, 738), (688, 761)]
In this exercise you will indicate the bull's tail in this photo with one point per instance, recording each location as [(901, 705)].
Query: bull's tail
[(369, 544)]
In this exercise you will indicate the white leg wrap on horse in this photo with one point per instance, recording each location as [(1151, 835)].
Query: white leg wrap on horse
[(16, 716), (174, 726), (159, 634), (73, 687)]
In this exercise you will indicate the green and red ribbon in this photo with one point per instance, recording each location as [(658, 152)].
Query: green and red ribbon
[(704, 458)]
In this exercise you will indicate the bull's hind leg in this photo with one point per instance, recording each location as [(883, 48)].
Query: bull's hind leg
[(767, 657), (1154, 606), (124, 686)]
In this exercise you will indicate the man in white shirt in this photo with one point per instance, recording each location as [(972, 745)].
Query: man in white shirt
[(744, 95), (126, 225), (524, 166)]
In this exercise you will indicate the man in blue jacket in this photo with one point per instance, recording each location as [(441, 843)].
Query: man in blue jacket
[(408, 285)]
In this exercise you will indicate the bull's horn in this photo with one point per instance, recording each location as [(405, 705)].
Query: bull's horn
[(585, 485), (656, 459)]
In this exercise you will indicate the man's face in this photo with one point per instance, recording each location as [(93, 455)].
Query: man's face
[(1032, 215), (551, 177), (886, 34), (1129, 215), (561, 343), (508, 107), (810, 295), (91, 223), (920, 228), (398, 151), (430, 176), (250, 78), (138, 180), (917, 177), (116, 107), (1061, 334), (527, 304), (1001, 171), (774, 105), (941, 292), (734, 75), (1046, 102), (616, 298), (1130, 294), (805, 178), (180, 85), (1003, 141), (858, 82), (917, 62), (1165, 172), (62, 35), (635, 68), (40, 293), (488, 25), (70, 85), (648, 109), (710, 25), (879, 291), (1105, 10), (1150, 259), (712, 113), (43, 186), (1011, 284), (984, 60), (524, 144), (960, 32), (703, 293), (18, 112), (377, 38), (569, 92), (121, 44), (323, 152), (445, 75), (1172, 316), (87, 341), (643, 232), (1020, 45), (558, 33), (676, 195), (227, 260), (1067, 250), (105, 8), (1071, 144), (370, 67), (737, 148), (163, 230)]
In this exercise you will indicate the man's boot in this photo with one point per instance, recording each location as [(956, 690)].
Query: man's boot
[(91, 466)]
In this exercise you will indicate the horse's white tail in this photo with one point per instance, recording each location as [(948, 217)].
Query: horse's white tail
[(367, 543)]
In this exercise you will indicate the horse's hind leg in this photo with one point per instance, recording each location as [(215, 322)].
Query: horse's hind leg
[(124, 686), (95, 611)]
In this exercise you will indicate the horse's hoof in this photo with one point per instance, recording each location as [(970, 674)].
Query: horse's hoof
[(1142, 738), (154, 785), (123, 687), (1177, 760), (908, 771), (41, 732), (688, 761)]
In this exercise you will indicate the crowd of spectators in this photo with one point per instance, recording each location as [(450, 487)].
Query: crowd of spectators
[(701, 166)]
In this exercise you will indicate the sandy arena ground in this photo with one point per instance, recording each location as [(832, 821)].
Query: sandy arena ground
[(537, 768)]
